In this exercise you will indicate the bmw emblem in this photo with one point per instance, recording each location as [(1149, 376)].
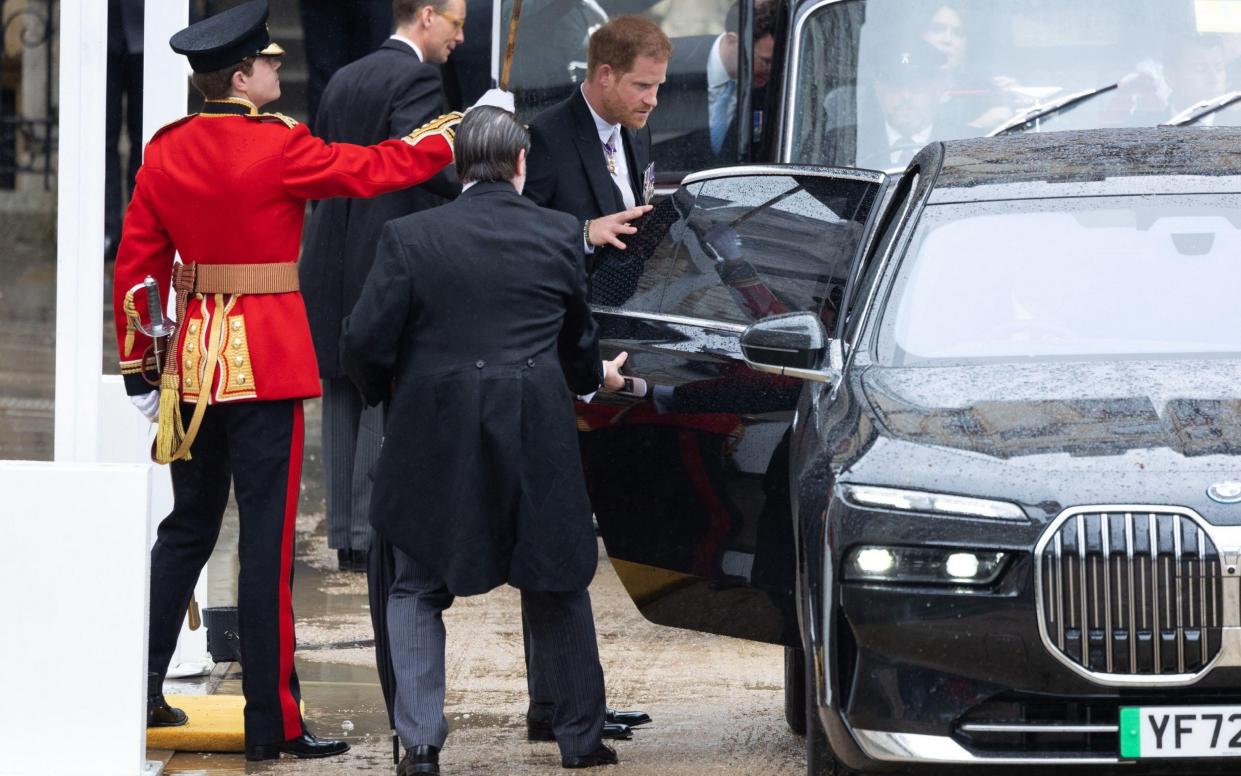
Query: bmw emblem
[(1226, 492)]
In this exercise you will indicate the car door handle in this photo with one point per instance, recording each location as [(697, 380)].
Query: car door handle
[(634, 386)]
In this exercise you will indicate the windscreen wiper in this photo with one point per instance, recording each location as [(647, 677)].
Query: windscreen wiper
[(1203, 109), (1030, 116)]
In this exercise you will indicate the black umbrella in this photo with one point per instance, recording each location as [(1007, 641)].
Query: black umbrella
[(380, 573)]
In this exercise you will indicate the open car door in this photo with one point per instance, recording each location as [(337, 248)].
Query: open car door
[(689, 479)]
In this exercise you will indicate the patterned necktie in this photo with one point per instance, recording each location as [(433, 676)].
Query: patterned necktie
[(721, 115), (620, 179)]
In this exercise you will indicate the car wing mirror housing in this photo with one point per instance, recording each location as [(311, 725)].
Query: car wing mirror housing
[(792, 345)]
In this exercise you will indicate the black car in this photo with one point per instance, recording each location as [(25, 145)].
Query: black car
[(967, 442)]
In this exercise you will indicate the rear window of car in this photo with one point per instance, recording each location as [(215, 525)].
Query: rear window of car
[(1071, 278)]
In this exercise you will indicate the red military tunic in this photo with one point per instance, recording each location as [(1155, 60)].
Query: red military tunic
[(226, 187)]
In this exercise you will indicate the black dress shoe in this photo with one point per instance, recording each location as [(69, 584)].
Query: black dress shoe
[(539, 731), (160, 714), (630, 718), (419, 759), (351, 560), (305, 745), (604, 755)]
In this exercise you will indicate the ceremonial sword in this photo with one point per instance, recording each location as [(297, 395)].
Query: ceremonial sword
[(159, 328)]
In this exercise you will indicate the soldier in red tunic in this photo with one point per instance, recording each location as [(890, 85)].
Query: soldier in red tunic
[(226, 188)]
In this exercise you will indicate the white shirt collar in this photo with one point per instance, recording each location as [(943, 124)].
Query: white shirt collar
[(411, 44), (717, 75), (921, 138), (605, 129)]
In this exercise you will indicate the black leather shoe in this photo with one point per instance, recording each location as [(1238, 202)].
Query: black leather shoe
[(630, 718), (612, 731), (604, 755), (160, 714), (419, 759), (305, 745), (351, 560)]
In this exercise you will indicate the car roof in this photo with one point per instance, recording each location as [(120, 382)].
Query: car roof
[(1096, 162)]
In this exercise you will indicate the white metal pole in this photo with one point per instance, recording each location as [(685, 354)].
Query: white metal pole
[(79, 228)]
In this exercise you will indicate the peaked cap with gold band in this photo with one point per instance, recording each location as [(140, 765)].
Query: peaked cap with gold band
[(227, 38)]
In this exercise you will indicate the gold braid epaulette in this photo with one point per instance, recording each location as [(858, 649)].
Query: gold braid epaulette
[(445, 125), (273, 117), (171, 124)]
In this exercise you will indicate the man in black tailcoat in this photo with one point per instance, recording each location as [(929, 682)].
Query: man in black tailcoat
[(385, 94), (474, 326)]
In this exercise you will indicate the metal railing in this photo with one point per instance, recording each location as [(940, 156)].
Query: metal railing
[(27, 142)]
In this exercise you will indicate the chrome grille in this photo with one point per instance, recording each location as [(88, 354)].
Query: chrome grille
[(1132, 594)]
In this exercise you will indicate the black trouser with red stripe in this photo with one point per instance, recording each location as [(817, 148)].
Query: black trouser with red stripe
[(257, 446)]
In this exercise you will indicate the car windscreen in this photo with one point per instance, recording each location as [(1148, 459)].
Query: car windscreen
[(1074, 278), (875, 80)]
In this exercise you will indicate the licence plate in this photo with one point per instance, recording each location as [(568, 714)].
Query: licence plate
[(1180, 731)]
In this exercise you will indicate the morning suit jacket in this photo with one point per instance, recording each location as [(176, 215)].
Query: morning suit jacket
[(474, 325), (567, 170), (383, 95)]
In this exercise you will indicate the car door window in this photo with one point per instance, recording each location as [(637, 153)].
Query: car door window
[(633, 279), (861, 292), (762, 245)]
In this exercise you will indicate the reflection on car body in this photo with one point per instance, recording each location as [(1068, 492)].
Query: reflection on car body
[(978, 516)]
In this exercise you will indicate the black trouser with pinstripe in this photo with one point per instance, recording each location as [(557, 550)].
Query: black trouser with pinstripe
[(257, 446), (562, 636), (352, 433)]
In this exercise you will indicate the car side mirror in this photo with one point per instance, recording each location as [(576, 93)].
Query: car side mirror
[(793, 345)]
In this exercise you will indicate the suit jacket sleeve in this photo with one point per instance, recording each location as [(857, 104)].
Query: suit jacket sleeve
[(420, 100), (145, 249), (371, 334), (578, 346), (313, 169), (540, 169)]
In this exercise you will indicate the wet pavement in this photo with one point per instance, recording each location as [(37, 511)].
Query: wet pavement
[(717, 702)]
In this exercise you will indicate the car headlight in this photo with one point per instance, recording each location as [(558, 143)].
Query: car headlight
[(903, 500), (930, 565)]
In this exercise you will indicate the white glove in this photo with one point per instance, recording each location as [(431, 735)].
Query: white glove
[(147, 404), (497, 98)]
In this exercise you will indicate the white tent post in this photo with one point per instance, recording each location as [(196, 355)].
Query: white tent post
[(79, 229)]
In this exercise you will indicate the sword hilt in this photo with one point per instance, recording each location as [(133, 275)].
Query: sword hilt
[(159, 326)]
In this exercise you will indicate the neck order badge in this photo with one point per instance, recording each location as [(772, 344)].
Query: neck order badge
[(609, 151)]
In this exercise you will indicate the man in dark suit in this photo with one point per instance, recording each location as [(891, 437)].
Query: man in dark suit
[(386, 94), (702, 76), (588, 155), (471, 323)]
